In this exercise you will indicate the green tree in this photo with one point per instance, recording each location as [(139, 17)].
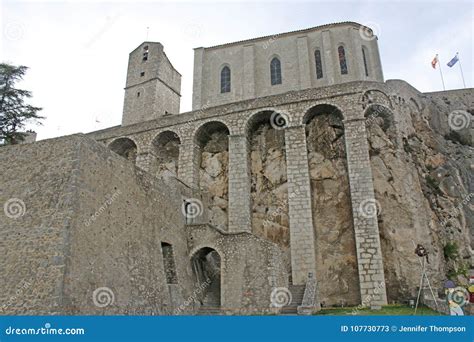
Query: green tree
[(14, 112)]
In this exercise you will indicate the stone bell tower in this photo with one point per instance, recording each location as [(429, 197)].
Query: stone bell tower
[(153, 87)]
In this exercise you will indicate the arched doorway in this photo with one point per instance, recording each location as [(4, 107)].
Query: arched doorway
[(125, 147), (206, 265)]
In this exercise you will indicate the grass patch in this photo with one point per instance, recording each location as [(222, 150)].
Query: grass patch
[(450, 250), (387, 310)]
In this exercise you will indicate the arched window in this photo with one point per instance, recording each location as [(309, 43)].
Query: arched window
[(275, 71), (342, 60), (225, 80), (319, 64), (364, 57)]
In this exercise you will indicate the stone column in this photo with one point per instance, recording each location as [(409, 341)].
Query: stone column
[(197, 77), (330, 64), (367, 238), (143, 161), (239, 185), (303, 62), (248, 91), (188, 164), (303, 254), (144, 156), (355, 59)]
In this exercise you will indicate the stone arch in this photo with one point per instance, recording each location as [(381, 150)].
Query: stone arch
[(277, 118), (321, 108), (206, 263), (375, 96), (269, 194), (212, 140), (335, 247), (164, 151), (125, 147), (209, 126)]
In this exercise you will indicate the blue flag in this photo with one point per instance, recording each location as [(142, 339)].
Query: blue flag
[(453, 61)]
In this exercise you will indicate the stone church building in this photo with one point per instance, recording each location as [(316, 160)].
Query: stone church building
[(301, 179)]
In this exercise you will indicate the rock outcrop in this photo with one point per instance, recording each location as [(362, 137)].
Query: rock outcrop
[(214, 177), (332, 213)]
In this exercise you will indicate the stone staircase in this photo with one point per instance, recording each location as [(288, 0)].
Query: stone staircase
[(297, 293), (211, 304)]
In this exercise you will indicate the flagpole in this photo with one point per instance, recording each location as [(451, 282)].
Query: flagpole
[(460, 68), (441, 73)]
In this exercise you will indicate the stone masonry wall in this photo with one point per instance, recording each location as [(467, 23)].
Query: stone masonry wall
[(91, 232), (365, 185), (37, 190), (250, 268)]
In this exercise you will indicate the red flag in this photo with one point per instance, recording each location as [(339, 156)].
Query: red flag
[(434, 62)]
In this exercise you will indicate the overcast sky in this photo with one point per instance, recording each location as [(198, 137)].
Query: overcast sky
[(77, 51)]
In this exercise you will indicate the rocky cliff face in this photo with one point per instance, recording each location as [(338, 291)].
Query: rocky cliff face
[(167, 154), (332, 214), (269, 188), (214, 177), (443, 156), (421, 180)]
